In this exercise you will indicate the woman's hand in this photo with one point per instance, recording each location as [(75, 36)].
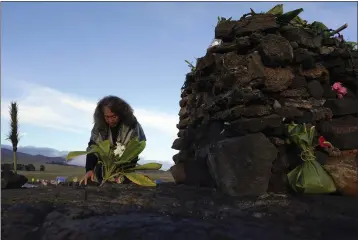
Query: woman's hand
[(89, 174)]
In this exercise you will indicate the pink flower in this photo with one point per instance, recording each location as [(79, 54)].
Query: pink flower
[(339, 89)]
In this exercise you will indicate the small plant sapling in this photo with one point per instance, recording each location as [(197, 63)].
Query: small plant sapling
[(116, 161), (222, 19)]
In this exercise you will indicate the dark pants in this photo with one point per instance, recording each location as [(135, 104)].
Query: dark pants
[(98, 170)]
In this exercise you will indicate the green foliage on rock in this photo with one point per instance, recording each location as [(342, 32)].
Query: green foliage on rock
[(286, 18)]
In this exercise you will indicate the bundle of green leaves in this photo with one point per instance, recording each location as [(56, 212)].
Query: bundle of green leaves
[(309, 177), (116, 161)]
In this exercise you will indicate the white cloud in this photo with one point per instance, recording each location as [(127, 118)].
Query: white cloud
[(52, 109)]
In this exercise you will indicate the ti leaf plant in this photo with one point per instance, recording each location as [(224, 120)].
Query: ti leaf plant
[(115, 161)]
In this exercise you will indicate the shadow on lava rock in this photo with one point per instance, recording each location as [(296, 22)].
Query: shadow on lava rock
[(128, 211)]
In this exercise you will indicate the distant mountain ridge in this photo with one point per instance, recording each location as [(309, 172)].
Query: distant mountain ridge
[(24, 158), (48, 152)]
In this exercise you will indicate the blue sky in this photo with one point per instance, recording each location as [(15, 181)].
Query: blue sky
[(58, 59)]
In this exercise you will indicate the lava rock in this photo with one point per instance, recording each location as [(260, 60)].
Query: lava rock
[(289, 112), (239, 70), (330, 42), (180, 143), (342, 133), (229, 30), (334, 63), (194, 173), (341, 107), (314, 114), (278, 182), (302, 36), (305, 58), (184, 156), (315, 89), (242, 166), (241, 44), (243, 111), (183, 123), (326, 50), (294, 45), (298, 82), (295, 93), (183, 113), (319, 73), (244, 126), (275, 51), (277, 79), (344, 171), (207, 64), (328, 93), (11, 180)]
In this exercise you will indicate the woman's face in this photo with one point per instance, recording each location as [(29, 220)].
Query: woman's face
[(111, 118)]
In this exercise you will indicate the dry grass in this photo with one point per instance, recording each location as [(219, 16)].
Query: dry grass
[(53, 170)]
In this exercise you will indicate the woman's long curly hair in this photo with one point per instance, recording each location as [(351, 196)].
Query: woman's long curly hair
[(119, 107)]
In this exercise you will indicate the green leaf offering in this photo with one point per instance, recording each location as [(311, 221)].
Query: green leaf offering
[(309, 177)]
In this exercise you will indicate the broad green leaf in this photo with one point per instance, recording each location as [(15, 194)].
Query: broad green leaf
[(148, 166), (95, 148), (289, 16), (105, 146), (292, 128), (312, 134), (140, 179), (303, 137), (74, 154), (133, 149), (276, 10), (299, 21)]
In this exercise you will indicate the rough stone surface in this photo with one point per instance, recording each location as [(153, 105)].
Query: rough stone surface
[(278, 79), (276, 51), (11, 180), (344, 172), (249, 157), (315, 89), (342, 133), (171, 211), (228, 30), (192, 173), (252, 125), (341, 107), (301, 36), (319, 73)]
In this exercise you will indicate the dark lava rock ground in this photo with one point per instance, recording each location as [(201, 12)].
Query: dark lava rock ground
[(172, 212)]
